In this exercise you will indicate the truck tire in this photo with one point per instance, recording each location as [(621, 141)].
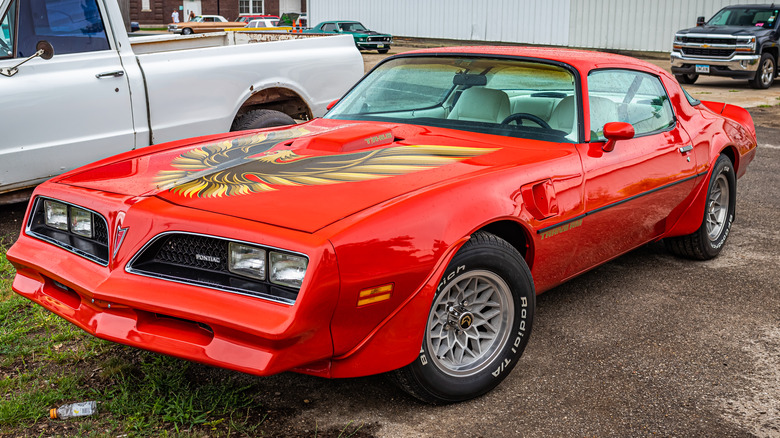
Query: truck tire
[(767, 69), (687, 78), (261, 118)]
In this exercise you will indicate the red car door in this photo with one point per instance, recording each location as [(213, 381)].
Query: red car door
[(632, 192)]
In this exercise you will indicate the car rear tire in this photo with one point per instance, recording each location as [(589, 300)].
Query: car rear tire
[(186, 31), (767, 69), (261, 118), (707, 242), (478, 325), (687, 78)]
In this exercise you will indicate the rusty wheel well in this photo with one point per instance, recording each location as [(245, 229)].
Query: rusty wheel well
[(278, 99), (515, 234)]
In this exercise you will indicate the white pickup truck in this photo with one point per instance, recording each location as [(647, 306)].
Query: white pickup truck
[(100, 92)]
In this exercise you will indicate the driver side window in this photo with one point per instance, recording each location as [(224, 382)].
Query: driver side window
[(628, 96), (71, 26)]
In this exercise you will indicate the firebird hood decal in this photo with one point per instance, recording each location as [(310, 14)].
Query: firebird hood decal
[(248, 165)]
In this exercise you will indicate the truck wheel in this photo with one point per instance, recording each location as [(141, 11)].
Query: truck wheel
[(765, 76), (261, 118), (708, 240), (186, 31), (478, 325), (687, 78)]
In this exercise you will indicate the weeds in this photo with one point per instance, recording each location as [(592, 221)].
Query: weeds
[(46, 362)]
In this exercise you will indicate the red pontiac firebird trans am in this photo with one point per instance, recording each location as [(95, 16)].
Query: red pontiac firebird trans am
[(408, 231)]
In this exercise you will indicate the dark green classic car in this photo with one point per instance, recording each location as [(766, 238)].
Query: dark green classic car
[(364, 39)]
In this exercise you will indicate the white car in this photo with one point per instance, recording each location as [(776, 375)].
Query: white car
[(262, 23)]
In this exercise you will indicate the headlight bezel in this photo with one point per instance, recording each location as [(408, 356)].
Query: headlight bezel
[(92, 246)]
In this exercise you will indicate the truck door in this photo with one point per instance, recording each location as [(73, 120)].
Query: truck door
[(67, 111)]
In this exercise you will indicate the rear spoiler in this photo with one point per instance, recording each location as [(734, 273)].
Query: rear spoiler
[(733, 112)]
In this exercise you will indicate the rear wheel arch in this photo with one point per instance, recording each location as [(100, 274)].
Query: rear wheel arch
[(280, 99)]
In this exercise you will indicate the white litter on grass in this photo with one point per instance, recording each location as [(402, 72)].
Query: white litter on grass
[(757, 409)]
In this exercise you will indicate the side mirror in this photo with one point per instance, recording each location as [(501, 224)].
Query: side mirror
[(43, 49), (699, 21), (330, 105), (615, 131)]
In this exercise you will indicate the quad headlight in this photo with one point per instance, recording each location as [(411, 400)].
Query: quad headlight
[(247, 260), (66, 217), (287, 269), (279, 268), (56, 214)]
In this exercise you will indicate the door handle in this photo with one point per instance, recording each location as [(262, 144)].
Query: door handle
[(110, 74), (685, 149)]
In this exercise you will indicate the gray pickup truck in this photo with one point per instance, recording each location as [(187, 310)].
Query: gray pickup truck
[(739, 42)]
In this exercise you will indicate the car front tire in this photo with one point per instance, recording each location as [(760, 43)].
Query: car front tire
[(478, 325), (186, 31), (707, 242)]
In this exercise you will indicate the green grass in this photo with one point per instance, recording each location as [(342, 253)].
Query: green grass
[(46, 362)]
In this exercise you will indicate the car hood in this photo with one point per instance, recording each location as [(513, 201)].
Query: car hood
[(366, 33), (307, 176), (724, 30)]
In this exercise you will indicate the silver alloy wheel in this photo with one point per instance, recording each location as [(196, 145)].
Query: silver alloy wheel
[(767, 71), (717, 207), (469, 323)]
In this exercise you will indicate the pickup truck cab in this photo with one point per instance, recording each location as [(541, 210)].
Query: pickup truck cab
[(75, 88), (739, 42)]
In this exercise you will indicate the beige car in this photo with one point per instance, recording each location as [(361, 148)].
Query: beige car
[(203, 23)]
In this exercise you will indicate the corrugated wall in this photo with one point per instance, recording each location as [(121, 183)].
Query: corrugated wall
[(642, 25), (647, 25), (527, 21)]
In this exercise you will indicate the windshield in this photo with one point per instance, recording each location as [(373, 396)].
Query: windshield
[(352, 27), (489, 95), (745, 17)]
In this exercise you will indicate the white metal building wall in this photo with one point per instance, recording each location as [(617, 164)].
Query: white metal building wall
[(527, 21), (647, 25), (638, 25)]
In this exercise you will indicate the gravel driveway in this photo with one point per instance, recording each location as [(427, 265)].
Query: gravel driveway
[(647, 344)]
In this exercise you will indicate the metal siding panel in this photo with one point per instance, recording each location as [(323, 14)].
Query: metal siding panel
[(604, 24)]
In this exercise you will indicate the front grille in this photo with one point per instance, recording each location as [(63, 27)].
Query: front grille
[(717, 53), (378, 39), (93, 248), (709, 40), (195, 251), (202, 260)]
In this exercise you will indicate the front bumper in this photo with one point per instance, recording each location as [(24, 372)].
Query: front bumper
[(205, 325), (373, 45), (174, 29), (737, 66)]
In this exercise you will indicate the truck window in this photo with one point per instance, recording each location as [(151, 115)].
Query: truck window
[(7, 32), (71, 26)]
